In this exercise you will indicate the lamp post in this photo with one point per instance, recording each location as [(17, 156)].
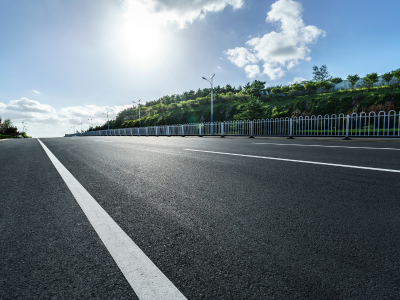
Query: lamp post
[(108, 122), (91, 122), (81, 126), (212, 114), (73, 131), (140, 121)]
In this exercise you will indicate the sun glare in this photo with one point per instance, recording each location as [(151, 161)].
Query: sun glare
[(142, 33)]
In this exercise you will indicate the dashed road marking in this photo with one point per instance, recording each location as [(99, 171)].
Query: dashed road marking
[(298, 161), (145, 278), (347, 147)]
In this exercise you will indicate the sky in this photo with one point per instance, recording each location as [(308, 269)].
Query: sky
[(65, 62)]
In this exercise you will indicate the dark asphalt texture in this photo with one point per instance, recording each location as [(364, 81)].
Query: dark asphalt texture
[(218, 226), (49, 250)]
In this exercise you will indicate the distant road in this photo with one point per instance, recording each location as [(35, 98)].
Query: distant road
[(199, 218)]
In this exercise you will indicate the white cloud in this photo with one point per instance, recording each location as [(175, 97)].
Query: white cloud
[(29, 106), (252, 71), (279, 50), (36, 113), (297, 80), (241, 56), (36, 92), (219, 68), (181, 12), (273, 70)]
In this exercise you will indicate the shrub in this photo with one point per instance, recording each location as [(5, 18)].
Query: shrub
[(310, 87)]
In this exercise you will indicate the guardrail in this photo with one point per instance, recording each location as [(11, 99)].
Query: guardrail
[(373, 124)]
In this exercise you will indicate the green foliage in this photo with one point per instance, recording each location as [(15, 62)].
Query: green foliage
[(277, 90), (325, 85), (251, 110), (310, 87), (321, 74), (396, 74), (285, 89), (250, 102), (257, 87), (7, 128), (370, 79), (297, 87), (387, 77), (352, 79), (2, 137), (23, 134), (336, 80)]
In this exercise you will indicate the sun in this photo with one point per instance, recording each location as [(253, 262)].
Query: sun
[(143, 32)]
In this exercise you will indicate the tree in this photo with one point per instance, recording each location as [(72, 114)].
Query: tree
[(321, 74), (250, 110), (353, 79), (336, 80), (257, 87), (396, 74), (229, 88), (285, 89), (297, 87), (387, 77), (370, 79), (276, 90), (7, 128)]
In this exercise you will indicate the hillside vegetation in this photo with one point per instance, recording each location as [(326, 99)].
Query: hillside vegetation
[(255, 101)]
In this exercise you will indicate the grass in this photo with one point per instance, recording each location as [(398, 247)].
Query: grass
[(8, 137)]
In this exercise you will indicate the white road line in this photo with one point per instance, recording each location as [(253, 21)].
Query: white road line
[(299, 161), (302, 145), (145, 278), (103, 141)]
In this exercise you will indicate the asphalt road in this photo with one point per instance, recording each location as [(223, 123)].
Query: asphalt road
[(219, 226)]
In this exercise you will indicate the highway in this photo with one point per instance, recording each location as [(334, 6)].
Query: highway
[(199, 218)]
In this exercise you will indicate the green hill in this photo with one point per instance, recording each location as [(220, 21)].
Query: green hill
[(254, 101)]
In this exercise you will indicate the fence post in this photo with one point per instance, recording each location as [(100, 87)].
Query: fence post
[(147, 131), (200, 131), (156, 132), (251, 130), (291, 129), (183, 133), (169, 135), (222, 130), (347, 129)]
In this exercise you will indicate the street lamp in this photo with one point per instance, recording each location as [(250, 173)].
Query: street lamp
[(212, 115), (81, 126), (73, 132), (91, 122), (108, 122), (140, 121)]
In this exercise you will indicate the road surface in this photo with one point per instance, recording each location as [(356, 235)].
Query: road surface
[(199, 218)]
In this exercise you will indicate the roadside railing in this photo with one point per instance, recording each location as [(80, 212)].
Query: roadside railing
[(373, 124)]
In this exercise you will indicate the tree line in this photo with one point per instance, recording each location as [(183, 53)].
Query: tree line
[(248, 100)]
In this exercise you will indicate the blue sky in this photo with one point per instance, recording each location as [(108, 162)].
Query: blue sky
[(63, 62)]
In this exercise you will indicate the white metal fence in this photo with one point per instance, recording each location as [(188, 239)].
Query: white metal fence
[(372, 124)]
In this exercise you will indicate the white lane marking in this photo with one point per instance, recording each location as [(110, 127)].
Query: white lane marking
[(348, 147), (103, 141), (299, 161), (145, 278)]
